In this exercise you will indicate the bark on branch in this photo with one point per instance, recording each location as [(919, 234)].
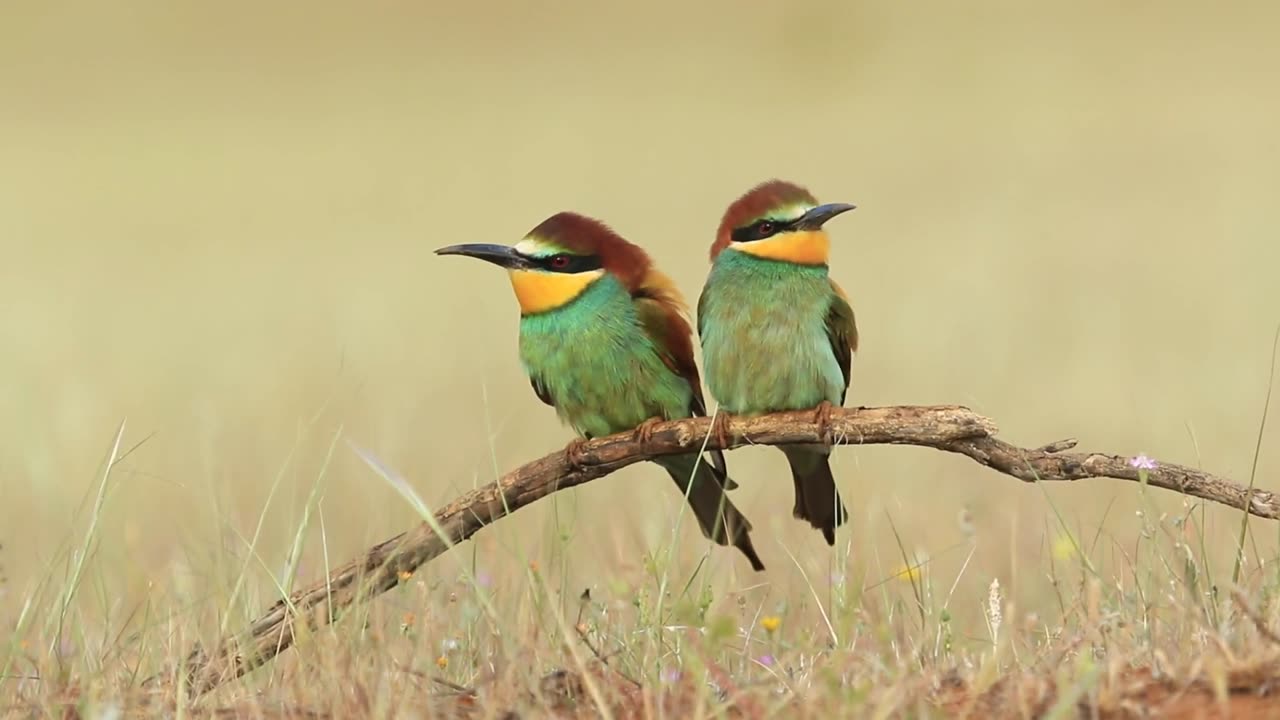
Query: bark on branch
[(949, 428)]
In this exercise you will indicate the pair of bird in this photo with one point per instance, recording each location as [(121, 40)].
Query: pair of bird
[(605, 340)]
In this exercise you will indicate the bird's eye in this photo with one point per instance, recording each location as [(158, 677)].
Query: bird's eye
[(560, 261), (765, 228)]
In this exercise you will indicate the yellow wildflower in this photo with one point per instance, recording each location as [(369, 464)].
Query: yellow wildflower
[(1064, 547), (770, 623), (907, 573), (442, 662)]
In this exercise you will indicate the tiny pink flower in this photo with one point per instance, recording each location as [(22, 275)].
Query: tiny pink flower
[(765, 660), (1142, 462)]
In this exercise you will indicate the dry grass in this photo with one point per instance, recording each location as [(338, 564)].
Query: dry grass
[(488, 647), (665, 639), (216, 221)]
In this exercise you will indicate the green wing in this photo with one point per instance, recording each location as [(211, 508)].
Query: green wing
[(842, 330), (666, 326), (702, 298)]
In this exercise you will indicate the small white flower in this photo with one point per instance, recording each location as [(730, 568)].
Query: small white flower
[(994, 613)]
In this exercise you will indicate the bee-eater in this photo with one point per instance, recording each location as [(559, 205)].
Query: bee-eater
[(777, 332), (605, 341)]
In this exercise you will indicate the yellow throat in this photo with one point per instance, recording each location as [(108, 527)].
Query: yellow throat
[(539, 291), (807, 247)]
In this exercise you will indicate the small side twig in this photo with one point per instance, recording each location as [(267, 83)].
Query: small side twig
[(1057, 447)]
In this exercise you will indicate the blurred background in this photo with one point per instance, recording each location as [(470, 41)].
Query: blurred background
[(217, 222)]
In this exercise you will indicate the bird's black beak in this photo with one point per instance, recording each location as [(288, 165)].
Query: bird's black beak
[(815, 218), (500, 255)]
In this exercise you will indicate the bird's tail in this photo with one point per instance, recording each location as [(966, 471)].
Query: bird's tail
[(817, 499), (719, 518)]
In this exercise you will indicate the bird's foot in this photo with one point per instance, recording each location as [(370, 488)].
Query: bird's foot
[(720, 428), (822, 417), (644, 431), (574, 454)]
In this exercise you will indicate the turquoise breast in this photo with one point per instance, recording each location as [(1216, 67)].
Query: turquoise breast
[(764, 339), (602, 371)]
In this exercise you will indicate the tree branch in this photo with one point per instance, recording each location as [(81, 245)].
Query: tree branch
[(948, 428)]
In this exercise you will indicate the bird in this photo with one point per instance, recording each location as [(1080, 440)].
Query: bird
[(777, 332), (605, 340)]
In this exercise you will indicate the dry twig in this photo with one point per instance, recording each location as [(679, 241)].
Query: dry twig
[(949, 428)]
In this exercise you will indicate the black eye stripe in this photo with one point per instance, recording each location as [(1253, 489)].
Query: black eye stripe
[(568, 263), (760, 230)]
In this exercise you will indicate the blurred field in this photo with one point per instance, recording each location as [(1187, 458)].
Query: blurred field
[(216, 221)]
